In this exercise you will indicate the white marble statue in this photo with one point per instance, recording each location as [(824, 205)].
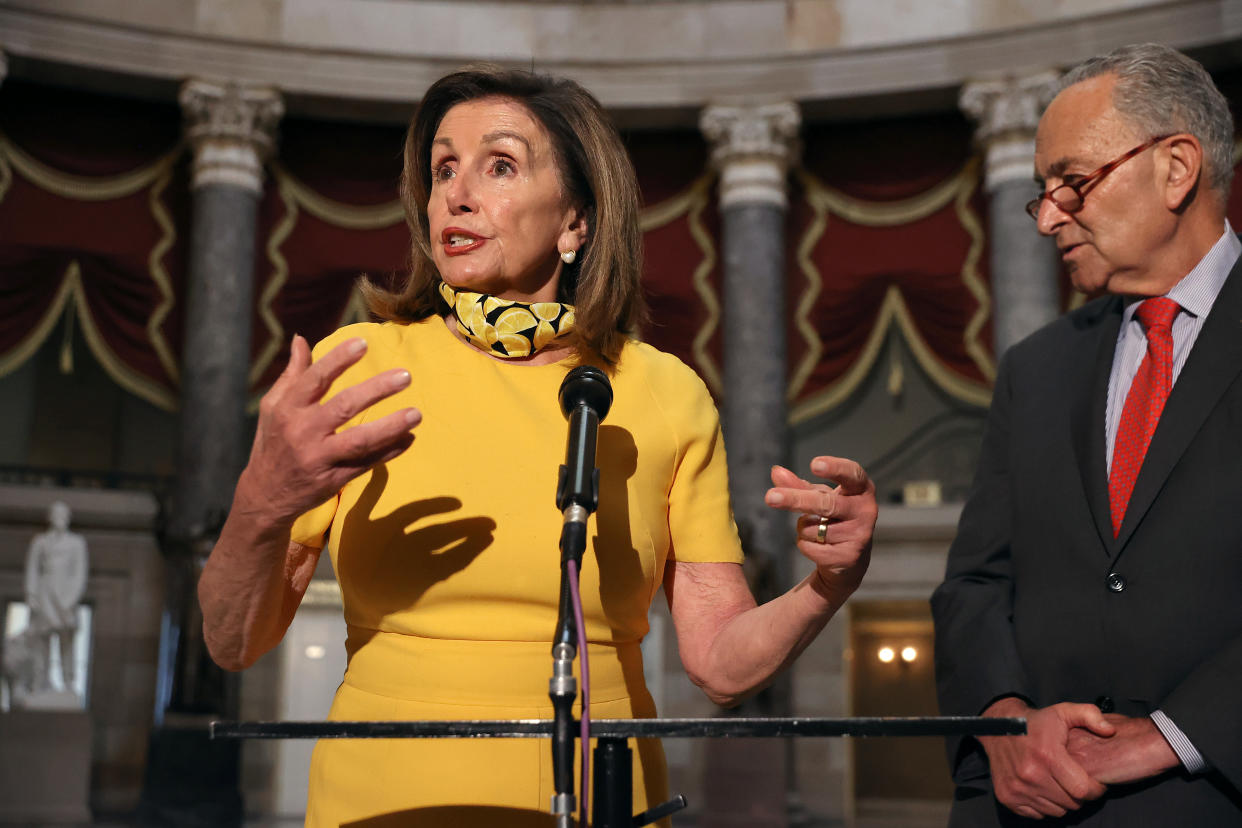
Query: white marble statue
[(56, 569)]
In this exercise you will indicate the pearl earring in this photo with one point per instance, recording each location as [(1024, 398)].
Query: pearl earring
[(568, 256)]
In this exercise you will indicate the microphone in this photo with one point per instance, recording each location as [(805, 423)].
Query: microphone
[(585, 397)]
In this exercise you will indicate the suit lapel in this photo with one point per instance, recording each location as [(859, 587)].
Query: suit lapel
[(1213, 364), (1088, 389)]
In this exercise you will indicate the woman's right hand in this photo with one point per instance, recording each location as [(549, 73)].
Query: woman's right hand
[(299, 459)]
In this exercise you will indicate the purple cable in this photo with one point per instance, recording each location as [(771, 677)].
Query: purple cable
[(585, 722)]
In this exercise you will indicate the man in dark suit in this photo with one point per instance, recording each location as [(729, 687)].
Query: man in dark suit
[(1095, 583)]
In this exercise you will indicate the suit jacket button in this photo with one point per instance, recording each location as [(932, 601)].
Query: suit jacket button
[(1105, 703), (1116, 582)]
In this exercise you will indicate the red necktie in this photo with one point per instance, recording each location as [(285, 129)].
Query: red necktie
[(1144, 402)]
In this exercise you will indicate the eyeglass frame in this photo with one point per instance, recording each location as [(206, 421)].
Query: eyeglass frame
[(1089, 180)]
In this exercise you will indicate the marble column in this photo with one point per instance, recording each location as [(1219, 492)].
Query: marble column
[(231, 130), (190, 779), (752, 147), (1023, 264)]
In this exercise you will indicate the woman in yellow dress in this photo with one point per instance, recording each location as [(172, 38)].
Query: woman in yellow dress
[(422, 454)]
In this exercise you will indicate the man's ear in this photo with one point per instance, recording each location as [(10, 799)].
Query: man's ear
[(1184, 155)]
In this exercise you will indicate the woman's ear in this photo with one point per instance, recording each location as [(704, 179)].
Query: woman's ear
[(576, 231)]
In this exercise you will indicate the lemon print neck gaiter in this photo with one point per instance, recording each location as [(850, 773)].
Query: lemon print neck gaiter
[(506, 328)]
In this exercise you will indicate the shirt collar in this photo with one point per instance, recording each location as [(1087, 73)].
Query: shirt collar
[(1197, 290)]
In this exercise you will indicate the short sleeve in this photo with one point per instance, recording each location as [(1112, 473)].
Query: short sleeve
[(700, 515), (310, 527)]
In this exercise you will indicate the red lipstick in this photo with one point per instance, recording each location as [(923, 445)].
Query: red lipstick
[(457, 241)]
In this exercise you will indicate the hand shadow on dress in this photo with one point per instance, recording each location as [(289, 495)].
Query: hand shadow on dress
[(397, 557), (621, 577), (453, 816), (612, 546)]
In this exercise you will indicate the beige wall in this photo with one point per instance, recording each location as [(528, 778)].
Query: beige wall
[(365, 51)]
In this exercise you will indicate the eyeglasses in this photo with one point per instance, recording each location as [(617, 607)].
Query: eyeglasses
[(1070, 197)]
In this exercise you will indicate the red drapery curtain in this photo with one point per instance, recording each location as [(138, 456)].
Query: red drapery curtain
[(886, 235)]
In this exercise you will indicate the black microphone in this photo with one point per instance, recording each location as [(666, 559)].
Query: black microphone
[(585, 396)]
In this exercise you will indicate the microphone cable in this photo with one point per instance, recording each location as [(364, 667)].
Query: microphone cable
[(585, 721)]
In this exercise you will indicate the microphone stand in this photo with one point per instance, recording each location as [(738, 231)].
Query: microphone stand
[(563, 687), (577, 496), (585, 397)]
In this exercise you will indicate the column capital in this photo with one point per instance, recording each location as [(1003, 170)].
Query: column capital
[(232, 128), (753, 146), (1007, 112)]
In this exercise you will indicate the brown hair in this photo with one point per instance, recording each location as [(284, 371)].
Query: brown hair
[(595, 170)]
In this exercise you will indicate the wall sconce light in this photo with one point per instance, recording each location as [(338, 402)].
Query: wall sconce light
[(888, 655)]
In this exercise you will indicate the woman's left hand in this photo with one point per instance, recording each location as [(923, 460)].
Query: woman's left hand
[(835, 525)]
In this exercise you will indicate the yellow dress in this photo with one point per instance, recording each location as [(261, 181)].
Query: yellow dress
[(449, 571)]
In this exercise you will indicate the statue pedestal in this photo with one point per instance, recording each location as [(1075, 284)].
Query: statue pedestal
[(52, 701), (45, 767)]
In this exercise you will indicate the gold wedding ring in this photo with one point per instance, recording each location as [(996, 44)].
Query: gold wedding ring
[(821, 534)]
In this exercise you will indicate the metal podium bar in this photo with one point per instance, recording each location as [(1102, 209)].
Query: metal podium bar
[(724, 727)]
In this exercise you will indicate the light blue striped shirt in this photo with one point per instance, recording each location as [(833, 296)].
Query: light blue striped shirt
[(1196, 293)]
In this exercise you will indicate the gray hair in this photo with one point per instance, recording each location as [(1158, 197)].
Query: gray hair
[(1161, 91)]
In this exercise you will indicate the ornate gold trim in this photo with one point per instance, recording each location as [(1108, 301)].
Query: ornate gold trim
[(665, 212), (121, 373), (837, 392), (703, 286), (896, 374), (298, 196), (26, 348), (66, 341), (970, 269), (355, 309), (802, 316), (71, 290), (155, 267), (966, 390), (893, 310), (347, 216), (691, 202), (275, 282), (82, 188), (825, 200), (885, 213)]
